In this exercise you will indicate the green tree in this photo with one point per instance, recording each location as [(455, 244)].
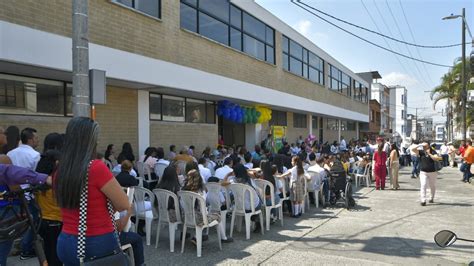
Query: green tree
[(451, 88)]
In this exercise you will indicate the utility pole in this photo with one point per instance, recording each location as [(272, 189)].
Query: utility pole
[(463, 76), (80, 59)]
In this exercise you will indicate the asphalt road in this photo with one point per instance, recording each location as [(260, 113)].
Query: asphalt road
[(386, 228)]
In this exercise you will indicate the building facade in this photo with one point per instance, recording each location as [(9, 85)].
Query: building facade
[(167, 64), (381, 93), (398, 110), (374, 128), (440, 132)]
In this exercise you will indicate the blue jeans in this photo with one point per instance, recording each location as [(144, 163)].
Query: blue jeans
[(27, 240), (416, 166), (466, 172), (268, 202), (136, 241), (5, 246), (96, 246)]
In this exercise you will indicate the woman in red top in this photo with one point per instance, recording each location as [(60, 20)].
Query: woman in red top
[(380, 168), (78, 151)]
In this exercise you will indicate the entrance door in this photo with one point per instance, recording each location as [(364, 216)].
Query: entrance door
[(233, 133)]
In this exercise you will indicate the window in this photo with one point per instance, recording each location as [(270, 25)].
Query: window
[(179, 109), (343, 125), (195, 111), (34, 96), (332, 124), (278, 118), (149, 7), (403, 98), (299, 120), (351, 126), (213, 29), (155, 106), (227, 24), (314, 122), (173, 108), (346, 86), (364, 95), (372, 115), (335, 76), (403, 129), (403, 114), (299, 61)]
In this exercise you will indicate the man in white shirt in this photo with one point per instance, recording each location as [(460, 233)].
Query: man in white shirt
[(203, 170), (222, 172), (25, 154), (414, 159), (444, 149), (318, 169), (343, 145)]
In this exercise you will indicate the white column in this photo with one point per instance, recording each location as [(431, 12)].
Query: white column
[(357, 130), (339, 130), (143, 121), (310, 124)]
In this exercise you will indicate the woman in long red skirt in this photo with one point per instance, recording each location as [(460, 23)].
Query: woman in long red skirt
[(380, 168)]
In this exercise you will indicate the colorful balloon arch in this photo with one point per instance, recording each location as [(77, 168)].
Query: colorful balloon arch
[(242, 114)]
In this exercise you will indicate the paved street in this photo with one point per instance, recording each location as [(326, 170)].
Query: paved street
[(387, 227)]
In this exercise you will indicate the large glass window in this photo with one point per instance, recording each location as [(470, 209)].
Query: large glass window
[(298, 60), (278, 118), (314, 123), (149, 7), (213, 29), (299, 120), (346, 84), (34, 96), (335, 75), (195, 111), (225, 23), (179, 109), (173, 108), (332, 124), (351, 126)]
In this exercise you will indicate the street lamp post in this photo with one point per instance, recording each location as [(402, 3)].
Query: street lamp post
[(463, 71)]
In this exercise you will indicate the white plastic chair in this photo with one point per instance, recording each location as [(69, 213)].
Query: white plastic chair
[(189, 200), (130, 193), (315, 181), (213, 191), (163, 196), (284, 188), (160, 169), (141, 198), (365, 175), (240, 191), (145, 172), (263, 184), (306, 195)]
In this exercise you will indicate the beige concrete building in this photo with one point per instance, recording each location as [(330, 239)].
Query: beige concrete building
[(168, 63)]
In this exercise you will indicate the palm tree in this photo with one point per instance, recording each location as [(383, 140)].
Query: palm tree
[(451, 89)]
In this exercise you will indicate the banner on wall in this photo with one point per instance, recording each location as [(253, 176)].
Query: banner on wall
[(279, 135)]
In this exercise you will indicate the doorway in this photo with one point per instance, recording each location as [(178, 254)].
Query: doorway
[(233, 133)]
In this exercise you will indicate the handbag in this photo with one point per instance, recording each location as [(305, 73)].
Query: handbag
[(438, 166), (117, 257)]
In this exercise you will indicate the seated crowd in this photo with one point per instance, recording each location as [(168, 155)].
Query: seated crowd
[(73, 163)]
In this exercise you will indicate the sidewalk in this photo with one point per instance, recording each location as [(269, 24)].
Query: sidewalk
[(386, 228)]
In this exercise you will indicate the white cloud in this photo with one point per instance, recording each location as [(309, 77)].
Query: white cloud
[(303, 27), (396, 78)]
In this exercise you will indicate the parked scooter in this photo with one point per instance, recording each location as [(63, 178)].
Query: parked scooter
[(446, 238)]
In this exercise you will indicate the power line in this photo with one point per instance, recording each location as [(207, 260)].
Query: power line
[(370, 42), (385, 40), (378, 33), (413, 38), (406, 46)]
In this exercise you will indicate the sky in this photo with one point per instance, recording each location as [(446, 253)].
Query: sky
[(387, 17)]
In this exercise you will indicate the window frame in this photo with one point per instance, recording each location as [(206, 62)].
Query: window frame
[(186, 100), (306, 65), (65, 85), (279, 118), (300, 120), (267, 44), (134, 9), (337, 124)]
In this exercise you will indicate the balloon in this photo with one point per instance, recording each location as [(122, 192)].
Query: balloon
[(258, 114), (219, 112), (227, 114)]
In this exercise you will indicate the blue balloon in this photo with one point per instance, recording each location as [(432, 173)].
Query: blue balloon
[(226, 114)]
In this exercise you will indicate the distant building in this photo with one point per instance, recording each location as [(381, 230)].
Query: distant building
[(426, 128), (440, 132), (398, 110), (381, 93), (374, 128)]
